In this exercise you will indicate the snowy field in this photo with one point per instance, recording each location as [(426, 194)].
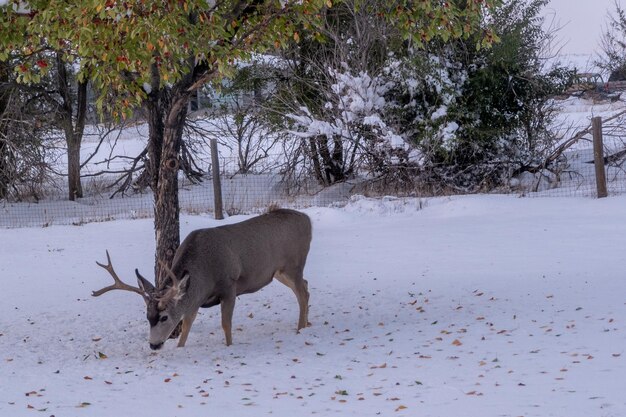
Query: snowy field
[(449, 307)]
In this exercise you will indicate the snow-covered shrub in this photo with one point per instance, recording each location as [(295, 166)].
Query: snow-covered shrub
[(477, 116), (354, 114), (450, 116)]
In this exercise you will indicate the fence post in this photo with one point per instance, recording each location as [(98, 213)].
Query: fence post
[(217, 184), (598, 157)]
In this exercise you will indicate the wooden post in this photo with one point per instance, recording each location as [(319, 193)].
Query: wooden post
[(598, 157), (217, 184)]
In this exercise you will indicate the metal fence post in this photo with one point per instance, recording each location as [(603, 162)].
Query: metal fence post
[(598, 157), (217, 184)]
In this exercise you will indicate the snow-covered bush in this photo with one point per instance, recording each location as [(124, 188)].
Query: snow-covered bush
[(478, 115), (354, 114), (449, 115)]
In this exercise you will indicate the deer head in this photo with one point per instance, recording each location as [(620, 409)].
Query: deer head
[(163, 308)]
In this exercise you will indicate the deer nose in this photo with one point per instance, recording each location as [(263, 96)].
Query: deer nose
[(156, 347)]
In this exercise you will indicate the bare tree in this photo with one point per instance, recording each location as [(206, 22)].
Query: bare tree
[(242, 127), (321, 104), (24, 167), (613, 42)]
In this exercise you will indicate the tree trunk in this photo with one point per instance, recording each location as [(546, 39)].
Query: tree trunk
[(73, 129), (4, 102), (166, 208), (316, 162), (75, 187), (332, 168), (156, 108)]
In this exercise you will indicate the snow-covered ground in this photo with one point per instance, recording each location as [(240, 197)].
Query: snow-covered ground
[(447, 307)]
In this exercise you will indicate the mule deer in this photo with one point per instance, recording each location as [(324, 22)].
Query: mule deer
[(213, 266)]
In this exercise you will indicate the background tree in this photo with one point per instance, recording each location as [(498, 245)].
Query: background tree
[(48, 69), (490, 118), (24, 131), (613, 58)]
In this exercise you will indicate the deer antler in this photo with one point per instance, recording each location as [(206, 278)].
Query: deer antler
[(169, 273), (118, 285)]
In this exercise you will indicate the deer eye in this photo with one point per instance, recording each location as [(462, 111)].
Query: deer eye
[(163, 319)]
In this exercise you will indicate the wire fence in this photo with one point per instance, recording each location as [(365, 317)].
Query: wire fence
[(240, 194), (577, 177), (577, 172), (252, 193)]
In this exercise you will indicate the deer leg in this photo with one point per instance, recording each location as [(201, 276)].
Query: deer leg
[(299, 286), (302, 294), (304, 304), (228, 306), (187, 322)]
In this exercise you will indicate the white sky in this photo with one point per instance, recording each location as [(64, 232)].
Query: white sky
[(582, 21)]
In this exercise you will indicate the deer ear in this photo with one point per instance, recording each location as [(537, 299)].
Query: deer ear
[(145, 285), (181, 287)]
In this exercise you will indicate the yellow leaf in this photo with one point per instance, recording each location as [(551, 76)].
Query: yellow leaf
[(401, 407), (457, 342)]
